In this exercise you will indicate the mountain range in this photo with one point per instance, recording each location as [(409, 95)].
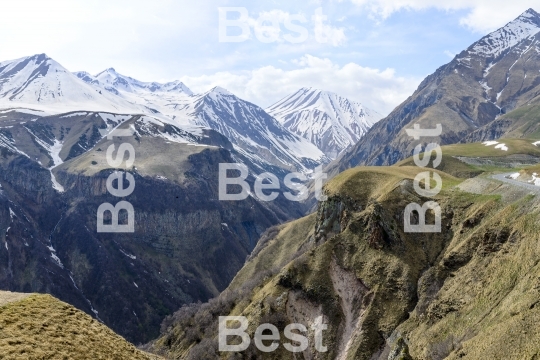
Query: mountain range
[(187, 245), (41, 85)]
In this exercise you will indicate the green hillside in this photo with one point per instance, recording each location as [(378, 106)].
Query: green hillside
[(468, 292)]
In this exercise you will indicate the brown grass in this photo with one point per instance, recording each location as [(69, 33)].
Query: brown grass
[(42, 327)]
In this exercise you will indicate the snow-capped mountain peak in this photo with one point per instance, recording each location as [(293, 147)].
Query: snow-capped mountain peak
[(218, 90), (329, 121), (176, 86), (497, 42), (38, 82), (254, 133)]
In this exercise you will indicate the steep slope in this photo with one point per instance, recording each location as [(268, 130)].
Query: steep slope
[(329, 121), (495, 75), (470, 291), (522, 122), (254, 133), (41, 327), (187, 244)]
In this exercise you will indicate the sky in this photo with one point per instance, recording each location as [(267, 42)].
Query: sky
[(372, 51)]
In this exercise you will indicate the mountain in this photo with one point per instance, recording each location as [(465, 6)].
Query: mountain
[(111, 77), (464, 293), (494, 76), (41, 86), (155, 97), (255, 133), (329, 121), (40, 83), (187, 245)]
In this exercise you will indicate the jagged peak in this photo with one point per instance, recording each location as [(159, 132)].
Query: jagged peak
[(110, 71), (530, 13), (41, 57), (218, 90), (313, 96)]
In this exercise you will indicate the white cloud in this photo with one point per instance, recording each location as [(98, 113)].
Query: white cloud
[(483, 15), (380, 90), (95, 34), (325, 33)]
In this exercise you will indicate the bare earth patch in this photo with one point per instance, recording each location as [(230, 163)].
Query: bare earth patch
[(7, 297)]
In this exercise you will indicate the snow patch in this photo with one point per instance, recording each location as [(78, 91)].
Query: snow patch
[(132, 257), (74, 114), (55, 257), (536, 179), (486, 87), (54, 153)]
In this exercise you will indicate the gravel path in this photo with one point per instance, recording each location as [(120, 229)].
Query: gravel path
[(7, 297)]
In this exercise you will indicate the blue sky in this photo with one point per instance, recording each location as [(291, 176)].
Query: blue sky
[(378, 50)]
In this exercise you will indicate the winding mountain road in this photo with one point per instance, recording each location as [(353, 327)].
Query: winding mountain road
[(503, 178)]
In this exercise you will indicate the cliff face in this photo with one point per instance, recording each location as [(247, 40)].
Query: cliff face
[(386, 294), (187, 245)]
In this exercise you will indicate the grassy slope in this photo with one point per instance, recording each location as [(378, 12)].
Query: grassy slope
[(469, 292), (451, 165), (153, 157), (515, 146), (42, 327), (487, 308), (524, 122)]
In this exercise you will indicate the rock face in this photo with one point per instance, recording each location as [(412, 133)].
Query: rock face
[(464, 292), (497, 74), (187, 245)]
